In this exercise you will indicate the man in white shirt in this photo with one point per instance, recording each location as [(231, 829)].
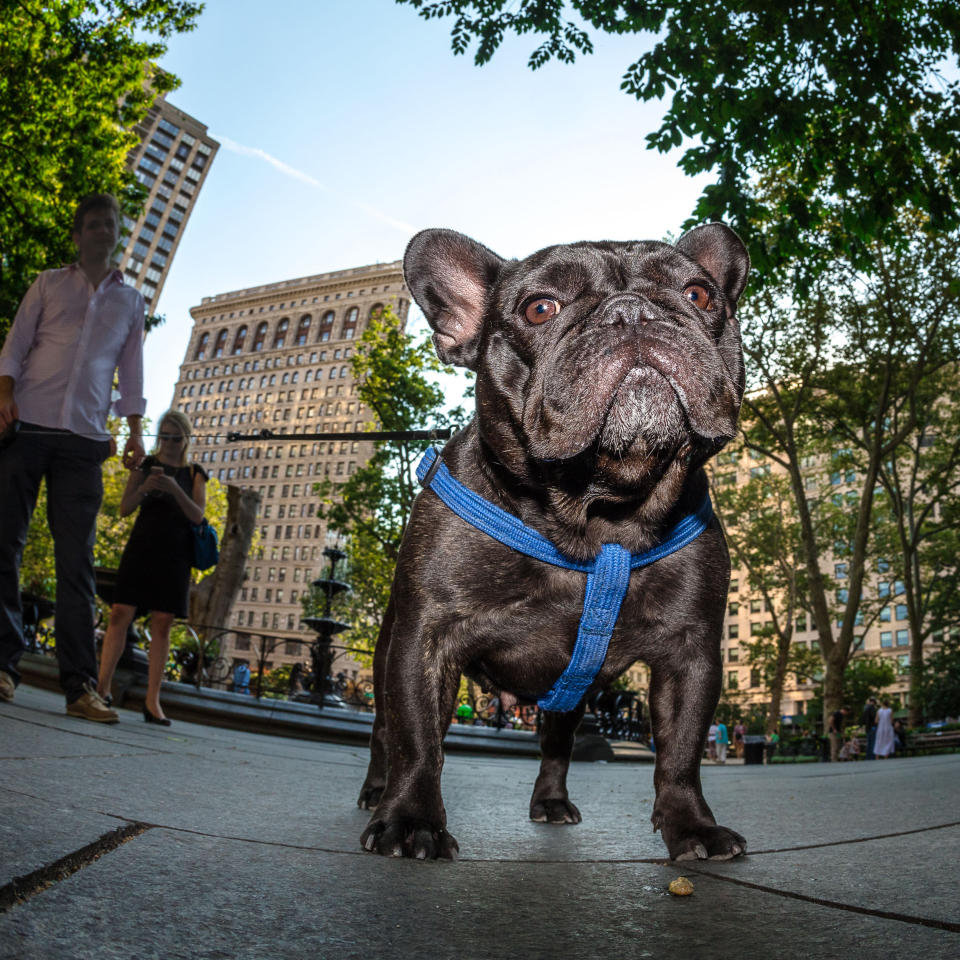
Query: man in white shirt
[(75, 328)]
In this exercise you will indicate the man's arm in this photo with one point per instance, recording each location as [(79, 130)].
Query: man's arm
[(130, 381), (8, 406), (15, 349)]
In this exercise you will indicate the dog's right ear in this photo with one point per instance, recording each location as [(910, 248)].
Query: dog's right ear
[(450, 277)]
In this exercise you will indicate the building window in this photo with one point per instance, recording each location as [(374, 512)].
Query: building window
[(281, 334), (202, 347), (260, 336), (733, 680), (903, 638), (350, 322), (239, 339), (303, 330), (221, 344), (886, 638), (326, 326)]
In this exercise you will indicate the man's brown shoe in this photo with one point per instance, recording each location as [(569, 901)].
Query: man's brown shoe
[(91, 707), (7, 686)]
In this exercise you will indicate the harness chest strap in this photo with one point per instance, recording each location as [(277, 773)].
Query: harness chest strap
[(608, 575)]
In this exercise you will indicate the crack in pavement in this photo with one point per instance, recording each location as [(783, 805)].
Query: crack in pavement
[(21, 889)]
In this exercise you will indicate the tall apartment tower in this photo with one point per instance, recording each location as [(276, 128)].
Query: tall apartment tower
[(277, 357), (171, 161)]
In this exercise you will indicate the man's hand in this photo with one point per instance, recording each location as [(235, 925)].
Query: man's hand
[(133, 452), (8, 406)]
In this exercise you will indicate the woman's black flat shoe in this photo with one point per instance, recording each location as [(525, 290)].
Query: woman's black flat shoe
[(150, 718)]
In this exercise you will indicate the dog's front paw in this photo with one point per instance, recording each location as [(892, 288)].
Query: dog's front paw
[(554, 811), (370, 795), (704, 842), (409, 838)]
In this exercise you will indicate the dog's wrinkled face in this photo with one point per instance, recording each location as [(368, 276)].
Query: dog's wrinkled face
[(623, 351)]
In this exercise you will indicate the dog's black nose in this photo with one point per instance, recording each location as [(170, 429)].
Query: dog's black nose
[(625, 309)]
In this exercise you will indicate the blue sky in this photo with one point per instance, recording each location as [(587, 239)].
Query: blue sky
[(348, 126)]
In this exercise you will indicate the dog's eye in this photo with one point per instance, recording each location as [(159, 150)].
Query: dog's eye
[(541, 310), (698, 296)]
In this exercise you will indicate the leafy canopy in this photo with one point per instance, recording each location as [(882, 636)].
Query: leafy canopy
[(851, 106), (73, 85)]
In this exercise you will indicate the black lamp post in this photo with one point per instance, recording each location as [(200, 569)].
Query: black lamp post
[(326, 628)]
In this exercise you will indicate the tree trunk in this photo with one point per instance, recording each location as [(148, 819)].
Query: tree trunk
[(211, 599), (834, 668), (776, 686)]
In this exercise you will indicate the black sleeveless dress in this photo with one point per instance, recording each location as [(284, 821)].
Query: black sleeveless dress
[(154, 570)]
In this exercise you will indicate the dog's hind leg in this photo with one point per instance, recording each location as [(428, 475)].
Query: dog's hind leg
[(376, 780), (550, 802)]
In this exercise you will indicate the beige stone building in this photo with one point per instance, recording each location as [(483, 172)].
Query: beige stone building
[(172, 161), (277, 357)]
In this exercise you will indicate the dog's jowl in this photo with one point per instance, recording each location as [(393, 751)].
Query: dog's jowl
[(566, 533)]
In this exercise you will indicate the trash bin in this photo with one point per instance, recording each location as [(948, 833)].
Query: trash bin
[(753, 746)]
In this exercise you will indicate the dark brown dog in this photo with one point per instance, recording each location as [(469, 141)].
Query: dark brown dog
[(607, 374)]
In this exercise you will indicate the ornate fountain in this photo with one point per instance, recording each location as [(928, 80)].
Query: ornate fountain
[(326, 628)]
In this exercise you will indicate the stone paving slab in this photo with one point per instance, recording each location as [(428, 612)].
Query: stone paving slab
[(254, 852), (915, 874), (171, 895)]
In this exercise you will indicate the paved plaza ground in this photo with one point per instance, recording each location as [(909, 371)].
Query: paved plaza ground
[(136, 841)]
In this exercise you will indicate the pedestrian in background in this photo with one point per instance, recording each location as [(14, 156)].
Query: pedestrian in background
[(884, 743), (154, 573), (739, 732), (869, 719), (712, 741), (241, 678), (723, 741), (75, 329)]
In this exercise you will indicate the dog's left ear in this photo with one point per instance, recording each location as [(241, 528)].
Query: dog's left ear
[(722, 254), (450, 276)]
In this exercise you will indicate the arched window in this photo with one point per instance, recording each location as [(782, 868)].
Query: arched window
[(350, 323), (261, 335), (202, 347), (303, 330), (239, 339), (326, 326), (221, 344), (281, 334), (375, 311)]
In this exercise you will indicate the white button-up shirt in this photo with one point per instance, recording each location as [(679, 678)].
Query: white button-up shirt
[(64, 346)]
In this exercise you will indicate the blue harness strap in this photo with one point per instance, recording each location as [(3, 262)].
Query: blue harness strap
[(608, 575)]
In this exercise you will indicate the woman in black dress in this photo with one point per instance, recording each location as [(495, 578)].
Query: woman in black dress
[(154, 571)]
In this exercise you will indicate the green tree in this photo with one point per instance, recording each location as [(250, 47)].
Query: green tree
[(764, 538), (834, 374), (864, 677), (847, 105), (921, 485), (941, 680), (396, 377), (75, 78)]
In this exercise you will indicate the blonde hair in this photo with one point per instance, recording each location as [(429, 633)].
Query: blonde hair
[(183, 422)]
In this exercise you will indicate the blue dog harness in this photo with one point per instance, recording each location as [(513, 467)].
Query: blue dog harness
[(608, 575)]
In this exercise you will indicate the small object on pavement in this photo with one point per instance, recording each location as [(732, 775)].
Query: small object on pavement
[(681, 887)]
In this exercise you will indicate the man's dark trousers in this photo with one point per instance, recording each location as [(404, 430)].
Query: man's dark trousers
[(71, 465)]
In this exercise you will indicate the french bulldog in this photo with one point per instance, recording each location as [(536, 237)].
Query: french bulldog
[(606, 375)]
